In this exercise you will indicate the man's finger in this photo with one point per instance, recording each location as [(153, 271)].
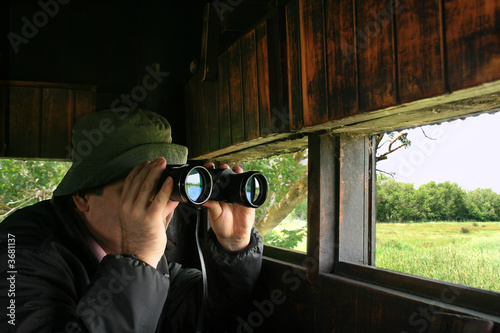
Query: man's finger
[(131, 176), (209, 165), (137, 184), (148, 181), (163, 196), (237, 169)]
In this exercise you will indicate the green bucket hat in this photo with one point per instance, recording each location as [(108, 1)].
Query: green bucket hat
[(108, 144)]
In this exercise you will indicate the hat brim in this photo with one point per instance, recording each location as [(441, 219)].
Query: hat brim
[(88, 173)]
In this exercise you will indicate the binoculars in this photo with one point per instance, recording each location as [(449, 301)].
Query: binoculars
[(195, 185)]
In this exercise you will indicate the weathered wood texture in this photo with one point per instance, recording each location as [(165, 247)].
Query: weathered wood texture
[(4, 106), (323, 205), (344, 62), (243, 104), (37, 118), (288, 303), (354, 219)]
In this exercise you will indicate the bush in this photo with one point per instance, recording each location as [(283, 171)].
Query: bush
[(288, 239), (300, 211)]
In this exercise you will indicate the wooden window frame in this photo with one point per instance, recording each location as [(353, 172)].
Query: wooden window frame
[(341, 230)]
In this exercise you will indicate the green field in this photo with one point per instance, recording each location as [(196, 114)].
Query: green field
[(443, 251), (438, 250)]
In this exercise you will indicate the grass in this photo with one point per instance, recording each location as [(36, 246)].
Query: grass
[(442, 251), (437, 250)]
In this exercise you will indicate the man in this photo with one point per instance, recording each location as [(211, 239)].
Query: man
[(92, 259)]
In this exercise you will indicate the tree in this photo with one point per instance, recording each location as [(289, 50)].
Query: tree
[(287, 175), (483, 205), (400, 202), (443, 201), (395, 201), (26, 182)]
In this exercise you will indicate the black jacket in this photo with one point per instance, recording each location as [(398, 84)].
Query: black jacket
[(51, 282)]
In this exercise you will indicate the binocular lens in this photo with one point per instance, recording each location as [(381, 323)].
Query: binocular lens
[(194, 185), (255, 190), (247, 189)]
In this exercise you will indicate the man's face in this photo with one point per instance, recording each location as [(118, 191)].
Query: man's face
[(103, 216)]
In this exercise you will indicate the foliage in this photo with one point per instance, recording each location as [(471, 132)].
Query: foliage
[(26, 182), (288, 239), (300, 211), (287, 177), (401, 202), (483, 205)]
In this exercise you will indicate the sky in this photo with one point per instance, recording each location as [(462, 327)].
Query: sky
[(462, 151)]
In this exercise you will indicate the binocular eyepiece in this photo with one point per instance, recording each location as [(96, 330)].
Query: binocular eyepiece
[(196, 185)]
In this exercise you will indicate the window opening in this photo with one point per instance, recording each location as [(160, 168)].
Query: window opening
[(438, 202), (282, 220), (25, 182)]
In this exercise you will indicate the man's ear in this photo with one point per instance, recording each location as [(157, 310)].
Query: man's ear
[(81, 203)]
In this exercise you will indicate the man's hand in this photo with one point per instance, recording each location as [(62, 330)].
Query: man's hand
[(231, 223), (144, 217)]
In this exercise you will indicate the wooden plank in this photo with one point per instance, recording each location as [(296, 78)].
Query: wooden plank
[(193, 102), (419, 50), (85, 103), (56, 118), (188, 107), (195, 120), (322, 205), (472, 42), (375, 53), (249, 85), (223, 102), (203, 117), (236, 93), (212, 119), (314, 90), (470, 298), (354, 217), (341, 59), (24, 131), (4, 108), (294, 73), (263, 73)]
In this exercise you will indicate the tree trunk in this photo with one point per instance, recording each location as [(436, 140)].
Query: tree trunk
[(278, 212)]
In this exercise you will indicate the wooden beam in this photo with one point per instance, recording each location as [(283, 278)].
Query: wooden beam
[(354, 201), (322, 205)]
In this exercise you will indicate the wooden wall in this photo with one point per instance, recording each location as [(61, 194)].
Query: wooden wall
[(245, 102), (349, 66), (338, 62), (37, 118)]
